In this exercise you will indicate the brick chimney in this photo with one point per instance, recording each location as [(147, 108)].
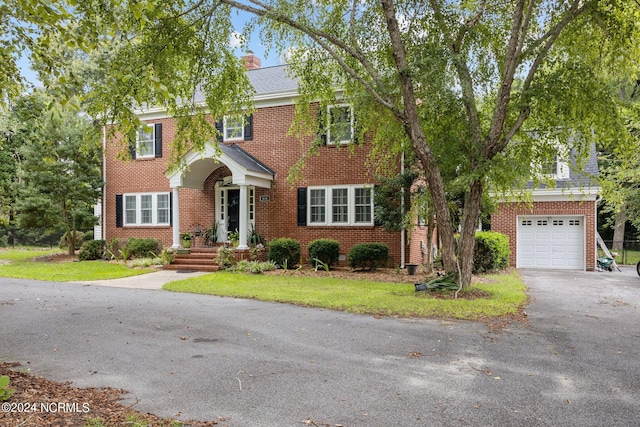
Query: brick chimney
[(250, 61)]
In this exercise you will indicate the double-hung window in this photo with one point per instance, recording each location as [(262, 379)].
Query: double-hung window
[(340, 125), (151, 209), (233, 128), (317, 204), (340, 205), (363, 205), (145, 146)]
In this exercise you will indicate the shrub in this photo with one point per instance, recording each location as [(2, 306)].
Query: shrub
[(115, 247), (284, 251), (369, 256), (140, 248), (324, 250), (88, 235), (254, 267), (92, 250), (491, 251), (225, 257)]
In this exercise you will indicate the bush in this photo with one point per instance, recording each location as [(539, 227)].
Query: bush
[(491, 252), (225, 257), (88, 235), (92, 250), (284, 252), (325, 250), (141, 248), (369, 256), (254, 267)]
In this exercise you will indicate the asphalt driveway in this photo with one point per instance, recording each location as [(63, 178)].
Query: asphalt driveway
[(575, 362)]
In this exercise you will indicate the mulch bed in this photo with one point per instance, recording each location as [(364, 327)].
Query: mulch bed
[(38, 401)]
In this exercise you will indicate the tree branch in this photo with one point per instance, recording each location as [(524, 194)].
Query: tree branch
[(512, 60), (325, 40), (464, 74), (551, 36)]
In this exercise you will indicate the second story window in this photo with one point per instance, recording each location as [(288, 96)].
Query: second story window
[(146, 142), (340, 125), (233, 128)]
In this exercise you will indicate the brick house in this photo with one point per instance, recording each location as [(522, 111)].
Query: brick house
[(243, 186), (558, 229)]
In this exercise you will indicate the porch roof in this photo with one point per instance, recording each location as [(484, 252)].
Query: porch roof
[(245, 169)]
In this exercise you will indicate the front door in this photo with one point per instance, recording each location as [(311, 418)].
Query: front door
[(233, 210)]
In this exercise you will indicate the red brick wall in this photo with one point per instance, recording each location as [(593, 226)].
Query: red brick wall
[(504, 220), (274, 218)]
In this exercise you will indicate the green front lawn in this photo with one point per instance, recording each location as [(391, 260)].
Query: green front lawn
[(506, 294), (22, 266)]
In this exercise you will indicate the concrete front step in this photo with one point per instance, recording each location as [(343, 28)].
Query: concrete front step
[(192, 267)]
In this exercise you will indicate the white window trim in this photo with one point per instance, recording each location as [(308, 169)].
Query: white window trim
[(351, 206), (139, 154), (224, 129), (328, 124), (222, 197), (154, 210)]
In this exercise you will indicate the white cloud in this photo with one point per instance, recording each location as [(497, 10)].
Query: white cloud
[(236, 39)]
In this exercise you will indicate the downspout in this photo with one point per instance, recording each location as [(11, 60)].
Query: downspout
[(402, 231), (104, 183)]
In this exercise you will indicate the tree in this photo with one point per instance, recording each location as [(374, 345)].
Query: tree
[(10, 136), (621, 165), (466, 85), (60, 178)]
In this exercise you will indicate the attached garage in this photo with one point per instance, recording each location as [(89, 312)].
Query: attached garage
[(556, 242)]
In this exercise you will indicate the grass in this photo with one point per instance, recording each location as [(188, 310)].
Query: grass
[(22, 266), (506, 294)]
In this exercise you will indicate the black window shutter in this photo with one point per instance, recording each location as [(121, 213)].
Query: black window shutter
[(322, 125), (158, 141), (376, 221), (132, 146), (119, 213), (220, 129), (248, 129), (302, 206)]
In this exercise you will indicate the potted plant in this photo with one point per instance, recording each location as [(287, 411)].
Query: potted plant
[(210, 235), (185, 240)]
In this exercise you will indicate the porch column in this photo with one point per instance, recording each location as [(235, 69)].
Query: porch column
[(244, 217), (176, 219)]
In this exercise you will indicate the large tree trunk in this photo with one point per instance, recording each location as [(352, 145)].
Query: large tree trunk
[(470, 218), (411, 122), (431, 225), (618, 229)]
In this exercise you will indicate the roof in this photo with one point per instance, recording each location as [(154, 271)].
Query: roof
[(246, 160), (272, 79), (586, 176), (265, 81)]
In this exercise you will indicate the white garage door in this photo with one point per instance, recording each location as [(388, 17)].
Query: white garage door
[(550, 242)]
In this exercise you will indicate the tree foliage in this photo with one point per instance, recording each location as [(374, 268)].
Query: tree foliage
[(466, 86), (59, 172)]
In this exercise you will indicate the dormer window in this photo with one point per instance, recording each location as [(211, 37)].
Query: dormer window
[(340, 126), (557, 168)]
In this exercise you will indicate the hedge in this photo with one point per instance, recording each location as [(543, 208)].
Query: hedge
[(369, 256)]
